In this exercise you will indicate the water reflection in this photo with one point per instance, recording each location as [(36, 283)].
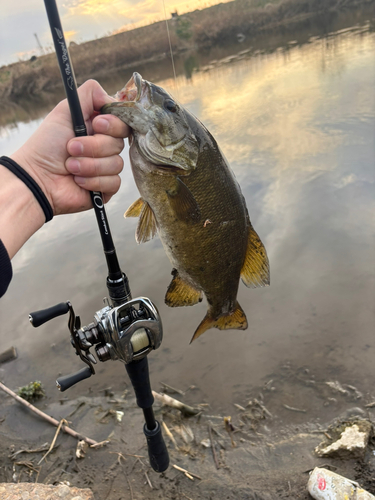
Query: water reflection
[(297, 125)]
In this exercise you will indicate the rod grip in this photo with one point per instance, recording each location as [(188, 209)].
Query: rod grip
[(157, 450), (139, 376), (67, 381), (38, 318)]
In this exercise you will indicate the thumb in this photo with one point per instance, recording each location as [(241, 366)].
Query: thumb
[(92, 97)]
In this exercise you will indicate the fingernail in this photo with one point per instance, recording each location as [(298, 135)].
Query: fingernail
[(102, 124), (75, 148), (80, 180), (74, 166)]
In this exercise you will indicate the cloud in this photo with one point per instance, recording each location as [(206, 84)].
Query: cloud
[(93, 7)]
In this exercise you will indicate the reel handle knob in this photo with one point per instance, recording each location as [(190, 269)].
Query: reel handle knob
[(67, 381), (38, 318)]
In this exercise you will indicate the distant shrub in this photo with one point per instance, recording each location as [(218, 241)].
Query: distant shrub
[(184, 28)]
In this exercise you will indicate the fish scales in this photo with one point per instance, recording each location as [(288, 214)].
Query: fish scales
[(204, 249)]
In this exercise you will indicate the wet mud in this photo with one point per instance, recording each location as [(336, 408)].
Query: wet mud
[(266, 452)]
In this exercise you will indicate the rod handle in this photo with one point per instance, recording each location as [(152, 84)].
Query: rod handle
[(139, 377), (157, 450), (38, 318), (67, 381)]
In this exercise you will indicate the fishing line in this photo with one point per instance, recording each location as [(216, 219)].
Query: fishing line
[(170, 45)]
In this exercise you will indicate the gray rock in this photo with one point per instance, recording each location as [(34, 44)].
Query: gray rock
[(32, 491), (348, 439)]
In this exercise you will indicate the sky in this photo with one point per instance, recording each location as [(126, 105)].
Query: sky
[(82, 20)]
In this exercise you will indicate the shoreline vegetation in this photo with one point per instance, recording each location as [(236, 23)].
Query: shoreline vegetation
[(195, 31)]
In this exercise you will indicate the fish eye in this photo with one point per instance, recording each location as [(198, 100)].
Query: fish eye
[(170, 105)]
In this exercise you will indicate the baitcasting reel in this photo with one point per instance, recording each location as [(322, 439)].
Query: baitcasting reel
[(127, 332)]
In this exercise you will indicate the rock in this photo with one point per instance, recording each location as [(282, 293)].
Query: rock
[(348, 439), (32, 491)]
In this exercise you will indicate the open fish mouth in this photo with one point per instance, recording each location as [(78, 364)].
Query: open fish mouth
[(132, 93)]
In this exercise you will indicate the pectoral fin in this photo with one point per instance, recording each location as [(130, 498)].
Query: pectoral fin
[(256, 269), (235, 320), (180, 293), (147, 227), (183, 202), (135, 209)]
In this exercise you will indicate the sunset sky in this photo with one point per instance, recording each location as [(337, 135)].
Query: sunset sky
[(82, 20)]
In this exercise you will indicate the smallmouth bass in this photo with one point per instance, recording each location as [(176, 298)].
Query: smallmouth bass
[(190, 196)]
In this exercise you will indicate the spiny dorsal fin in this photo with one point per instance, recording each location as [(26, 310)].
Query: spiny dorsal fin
[(235, 320), (256, 269), (135, 209), (146, 228), (183, 202), (180, 293)]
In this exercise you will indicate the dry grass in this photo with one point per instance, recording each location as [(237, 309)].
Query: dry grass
[(194, 30)]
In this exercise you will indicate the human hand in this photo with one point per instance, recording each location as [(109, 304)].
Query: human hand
[(67, 167)]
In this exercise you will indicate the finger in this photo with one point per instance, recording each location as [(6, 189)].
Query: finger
[(92, 98), (95, 146), (110, 125), (106, 184), (92, 167)]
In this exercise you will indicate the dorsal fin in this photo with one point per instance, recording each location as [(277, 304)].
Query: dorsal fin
[(235, 320), (135, 209), (183, 202), (256, 269), (147, 227), (180, 293)]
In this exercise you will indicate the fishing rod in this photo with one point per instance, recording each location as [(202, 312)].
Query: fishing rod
[(125, 329)]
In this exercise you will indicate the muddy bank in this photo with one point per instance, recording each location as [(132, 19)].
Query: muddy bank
[(220, 24), (255, 459)]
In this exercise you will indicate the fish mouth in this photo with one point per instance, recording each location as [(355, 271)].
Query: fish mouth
[(128, 96)]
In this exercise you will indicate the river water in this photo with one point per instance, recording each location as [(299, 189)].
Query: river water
[(297, 123)]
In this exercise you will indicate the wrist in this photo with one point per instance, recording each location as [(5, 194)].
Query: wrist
[(23, 160), (21, 214)]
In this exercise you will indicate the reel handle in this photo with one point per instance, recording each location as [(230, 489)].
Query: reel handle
[(67, 381), (38, 318)]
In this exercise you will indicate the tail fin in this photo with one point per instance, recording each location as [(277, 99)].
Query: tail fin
[(234, 320)]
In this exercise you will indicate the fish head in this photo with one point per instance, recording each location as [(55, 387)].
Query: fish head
[(159, 124)]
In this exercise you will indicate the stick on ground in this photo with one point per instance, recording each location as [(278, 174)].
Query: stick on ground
[(188, 474), (213, 448), (49, 419), (53, 441), (186, 410)]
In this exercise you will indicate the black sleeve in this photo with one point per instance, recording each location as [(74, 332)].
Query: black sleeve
[(6, 272)]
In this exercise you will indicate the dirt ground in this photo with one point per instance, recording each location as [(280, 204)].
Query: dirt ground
[(270, 456)]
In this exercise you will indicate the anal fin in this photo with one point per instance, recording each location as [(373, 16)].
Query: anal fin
[(180, 293), (255, 271), (235, 320)]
